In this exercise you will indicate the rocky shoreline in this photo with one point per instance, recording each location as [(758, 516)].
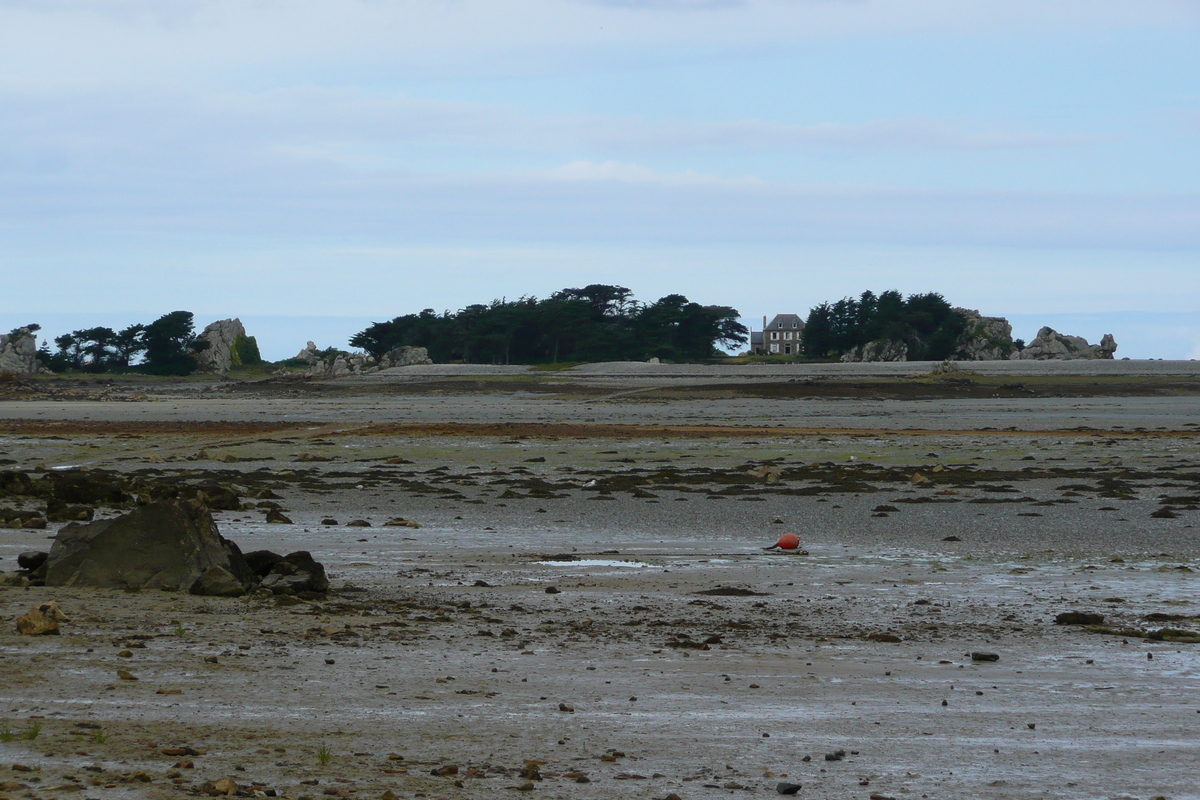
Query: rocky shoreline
[(584, 610)]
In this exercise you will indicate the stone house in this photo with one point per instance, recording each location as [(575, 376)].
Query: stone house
[(781, 336)]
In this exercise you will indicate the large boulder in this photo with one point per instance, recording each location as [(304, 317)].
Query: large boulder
[(228, 346), (296, 573), (405, 357), (18, 352), (880, 350), (1050, 344), (167, 545), (984, 338)]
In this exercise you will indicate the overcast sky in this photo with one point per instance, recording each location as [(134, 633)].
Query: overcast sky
[(361, 159)]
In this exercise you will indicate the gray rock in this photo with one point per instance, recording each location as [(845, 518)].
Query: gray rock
[(309, 353), (166, 545), (217, 582), (879, 350), (405, 357), (226, 339), (296, 572), (1050, 344), (985, 338), (787, 788), (18, 353)]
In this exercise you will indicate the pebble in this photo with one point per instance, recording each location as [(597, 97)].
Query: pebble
[(979, 655), (787, 788), (551, 590)]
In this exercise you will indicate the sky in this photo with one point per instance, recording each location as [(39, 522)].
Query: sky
[(311, 166)]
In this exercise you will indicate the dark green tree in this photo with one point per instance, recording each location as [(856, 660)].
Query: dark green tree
[(168, 340), (127, 344)]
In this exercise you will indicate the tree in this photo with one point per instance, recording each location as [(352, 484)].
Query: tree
[(167, 341), (127, 344), (70, 350), (595, 323), (925, 323)]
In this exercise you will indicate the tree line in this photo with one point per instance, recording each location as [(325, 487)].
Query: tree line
[(926, 323), (166, 346), (595, 323)]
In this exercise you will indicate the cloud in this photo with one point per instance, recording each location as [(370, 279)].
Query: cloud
[(81, 43), (669, 5), (913, 133), (635, 173)]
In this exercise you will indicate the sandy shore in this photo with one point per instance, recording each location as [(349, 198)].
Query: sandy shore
[(440, 646)]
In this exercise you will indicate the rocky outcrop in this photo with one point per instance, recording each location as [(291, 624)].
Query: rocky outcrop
[(405, 357), (1050, 344), (18, 353), (168, 545), (341, 365), (984, 338), (227, 346), (880, 350), (309, 354)]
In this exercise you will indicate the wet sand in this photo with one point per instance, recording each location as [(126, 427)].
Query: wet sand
[(733, 691)]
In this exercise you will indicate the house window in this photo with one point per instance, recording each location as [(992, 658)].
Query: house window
[(787, 349), (788, 336), (774, 348), (774, 334)]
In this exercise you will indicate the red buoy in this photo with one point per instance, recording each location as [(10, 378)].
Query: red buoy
[(789, 541)]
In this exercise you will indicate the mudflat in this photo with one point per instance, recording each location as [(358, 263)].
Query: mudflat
[(586, 608)]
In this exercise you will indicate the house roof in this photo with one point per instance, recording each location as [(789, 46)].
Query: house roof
[(788, 321), (756, 337)]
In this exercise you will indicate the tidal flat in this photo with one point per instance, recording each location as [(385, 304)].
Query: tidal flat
[(573, 599)]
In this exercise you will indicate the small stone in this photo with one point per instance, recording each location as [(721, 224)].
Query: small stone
[(784, 787), (226, 786), (42, 620), (126, 675), (277, 517), (332, 521), (1078, 618), (836, 755), (210, 659), (329, 661), (358, 523), (551, 590), (566, 708)]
